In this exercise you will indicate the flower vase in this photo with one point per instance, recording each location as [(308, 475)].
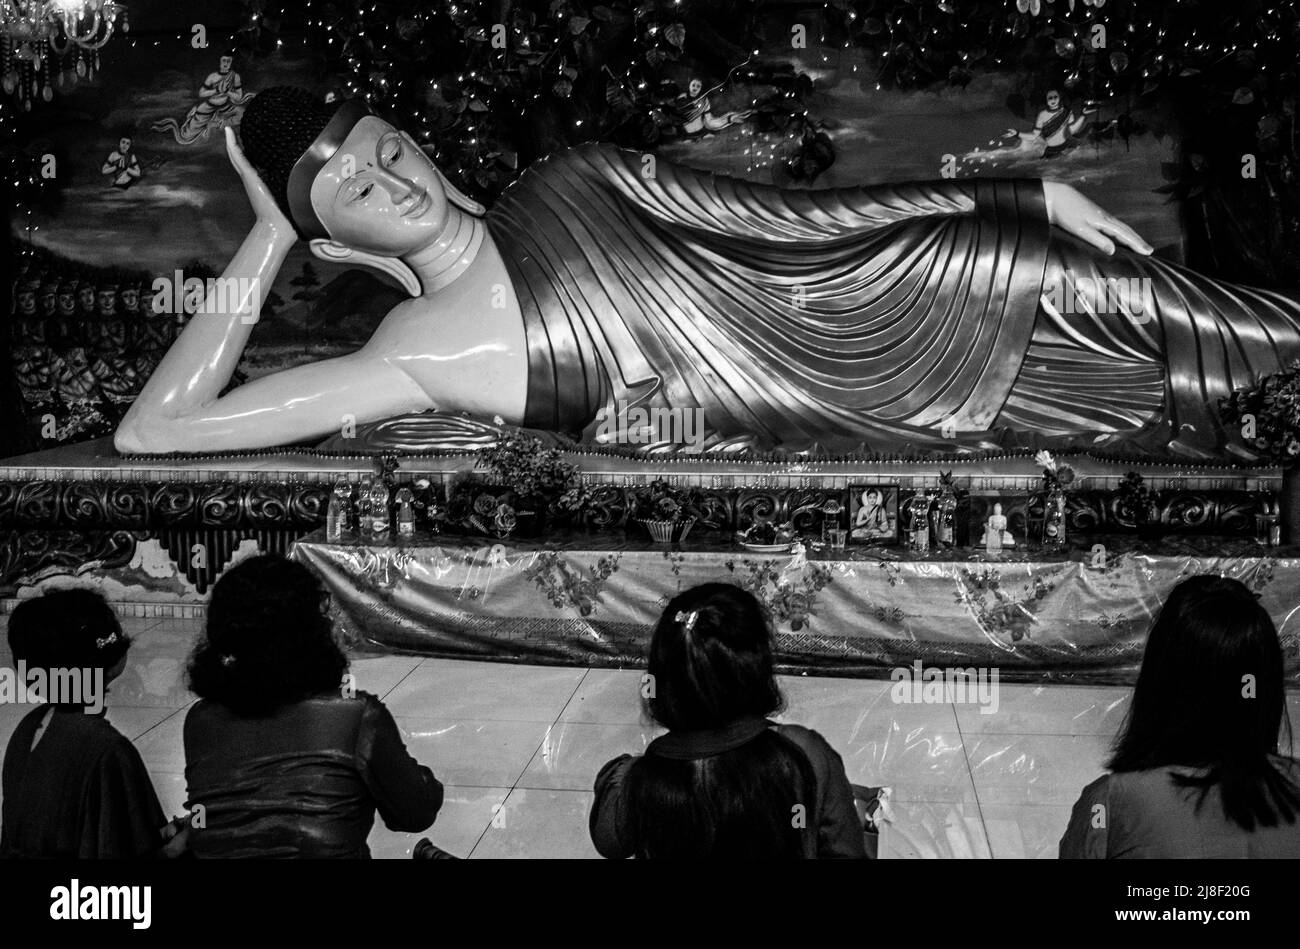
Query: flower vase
[(666, 532)]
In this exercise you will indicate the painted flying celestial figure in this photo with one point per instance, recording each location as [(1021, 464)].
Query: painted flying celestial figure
[(122, 166), (222, 97)]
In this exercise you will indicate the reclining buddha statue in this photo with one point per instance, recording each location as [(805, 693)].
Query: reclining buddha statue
[(924, 315)]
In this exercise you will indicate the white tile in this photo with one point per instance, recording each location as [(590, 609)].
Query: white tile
[(461, 689), (1047, 710), (473, 753), (161, 747), (1025, 831), (607, 697), (1035, 769), (380, 674), (573, 752), (133, 722), (465, 815), (923, 830), (545, 824)]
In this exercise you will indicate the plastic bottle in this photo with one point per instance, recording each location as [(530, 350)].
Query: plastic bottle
[(1054, 520), (943, 519), (365, 522), (338, 517), (379, 513), (405, 512)]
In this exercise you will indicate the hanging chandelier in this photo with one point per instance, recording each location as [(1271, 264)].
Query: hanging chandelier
[(44, 43)]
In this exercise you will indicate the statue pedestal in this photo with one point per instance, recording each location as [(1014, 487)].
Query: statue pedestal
[(161, 530)]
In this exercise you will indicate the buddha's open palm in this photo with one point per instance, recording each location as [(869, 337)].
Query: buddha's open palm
[(1077, 215)]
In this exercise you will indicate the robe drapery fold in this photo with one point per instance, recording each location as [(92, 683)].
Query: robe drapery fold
[(847, 316), (877, 317)]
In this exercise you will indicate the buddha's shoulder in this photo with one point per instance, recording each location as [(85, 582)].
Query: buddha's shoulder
[(588, 157)]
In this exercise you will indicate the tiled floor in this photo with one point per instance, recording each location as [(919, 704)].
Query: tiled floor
[(518, 748)]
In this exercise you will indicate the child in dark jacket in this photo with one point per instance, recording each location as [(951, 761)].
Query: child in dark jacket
[(724, 782), (74, 786)]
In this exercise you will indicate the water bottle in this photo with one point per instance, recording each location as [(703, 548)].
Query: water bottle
[(405, 512), (365, 522), (379, 509), (1054, 520), (339, 515)]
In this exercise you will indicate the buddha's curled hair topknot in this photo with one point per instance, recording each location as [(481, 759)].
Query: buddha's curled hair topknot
[(278, 127)]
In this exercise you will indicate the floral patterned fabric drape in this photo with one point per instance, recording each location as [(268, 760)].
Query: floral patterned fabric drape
[(1081, 619)]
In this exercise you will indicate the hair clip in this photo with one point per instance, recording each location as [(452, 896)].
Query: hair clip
[(227, 660), (687, 620), (106, 641)]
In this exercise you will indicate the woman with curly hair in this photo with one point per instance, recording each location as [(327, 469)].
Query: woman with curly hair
[(281, 758)]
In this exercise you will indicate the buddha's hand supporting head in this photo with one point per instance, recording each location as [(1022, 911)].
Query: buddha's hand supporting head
[(260, 198), (343, 175)]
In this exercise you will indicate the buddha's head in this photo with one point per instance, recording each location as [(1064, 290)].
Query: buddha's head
[(343, 175)]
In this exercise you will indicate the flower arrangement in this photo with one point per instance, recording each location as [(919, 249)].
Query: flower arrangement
[(522, 463), (1056, 476), (1268, 414), (668, 512), (1136, 497)]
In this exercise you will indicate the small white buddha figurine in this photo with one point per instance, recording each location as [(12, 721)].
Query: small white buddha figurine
[(996, 535)]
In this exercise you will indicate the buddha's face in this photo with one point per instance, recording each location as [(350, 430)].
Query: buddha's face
[(695, 88), (225, 64), (1053, 100), (379, 192)]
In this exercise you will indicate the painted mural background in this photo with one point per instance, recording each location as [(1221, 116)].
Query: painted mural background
[(87, 253)]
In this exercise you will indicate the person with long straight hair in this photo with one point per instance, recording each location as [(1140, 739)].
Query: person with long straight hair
[(283, 758), (725, 781), (1196, 770)]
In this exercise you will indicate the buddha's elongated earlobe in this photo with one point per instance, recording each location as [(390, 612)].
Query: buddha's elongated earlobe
[(335, 253), (454, 194), (460, 199)]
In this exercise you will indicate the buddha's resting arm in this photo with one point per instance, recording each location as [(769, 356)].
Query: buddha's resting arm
[(181, 409)]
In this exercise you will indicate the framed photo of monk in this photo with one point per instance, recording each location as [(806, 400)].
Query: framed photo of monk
[(873, 514)]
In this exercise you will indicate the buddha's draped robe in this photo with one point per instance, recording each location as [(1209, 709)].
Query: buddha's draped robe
[(876, 316)]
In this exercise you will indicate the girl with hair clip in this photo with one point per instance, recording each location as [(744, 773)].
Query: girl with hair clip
[(725, 781)]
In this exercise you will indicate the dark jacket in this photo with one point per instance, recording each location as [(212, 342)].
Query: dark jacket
[(839, 829), (82, 792), (305, 781), (1144, 814)]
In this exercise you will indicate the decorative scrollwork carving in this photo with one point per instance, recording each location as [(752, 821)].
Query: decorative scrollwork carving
[(29, 556)]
